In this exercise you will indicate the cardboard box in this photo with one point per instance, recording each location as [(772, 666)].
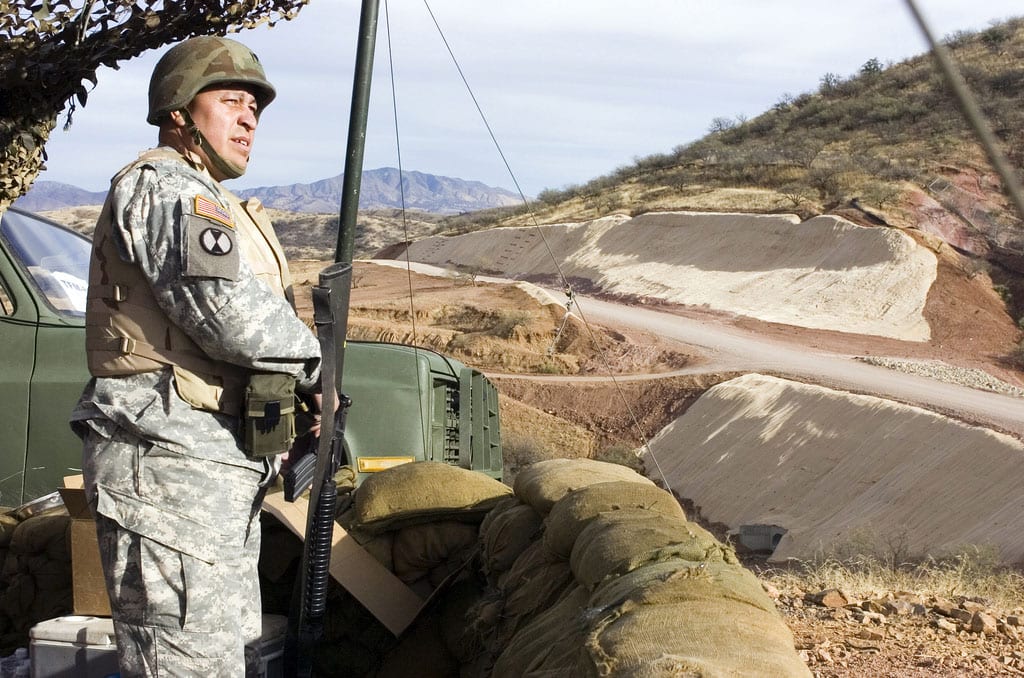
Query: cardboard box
[(89, 588), (386, 596)]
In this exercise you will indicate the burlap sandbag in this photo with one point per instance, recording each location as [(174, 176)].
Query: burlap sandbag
[(552, 644), (682, 618), (505, 533), (424, 492), (571, 513), (421, 652), (45, 533), (616, 542), (418, 549), (542, 484), (456, 615), (535, 580), (7, 525)]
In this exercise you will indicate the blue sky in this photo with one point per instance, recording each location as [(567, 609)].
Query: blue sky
[(572, 89)]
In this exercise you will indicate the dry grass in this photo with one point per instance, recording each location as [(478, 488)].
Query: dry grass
[(973, 572)]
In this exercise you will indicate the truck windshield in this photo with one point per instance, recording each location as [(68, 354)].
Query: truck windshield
[(55, 258)]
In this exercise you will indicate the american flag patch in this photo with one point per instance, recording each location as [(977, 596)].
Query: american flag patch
[(208, 208)]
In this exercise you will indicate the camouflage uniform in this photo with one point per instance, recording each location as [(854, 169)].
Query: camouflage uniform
[(177, 499)]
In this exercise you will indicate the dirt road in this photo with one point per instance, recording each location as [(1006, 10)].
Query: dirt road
[(728, 346), (731, 348)]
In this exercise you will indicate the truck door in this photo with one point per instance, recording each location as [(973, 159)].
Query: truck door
[(18, 323)]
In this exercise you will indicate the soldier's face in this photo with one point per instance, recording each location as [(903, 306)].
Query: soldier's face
[(227, 117)]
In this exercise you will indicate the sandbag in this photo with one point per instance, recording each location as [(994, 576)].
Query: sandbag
[(418, 549), (616, 542), (679, 618), (542, 484), (44, 533), (457, 628), (424, 492), (420, 652), (7, 525), (571, 513), (506, 532), (552, 644)]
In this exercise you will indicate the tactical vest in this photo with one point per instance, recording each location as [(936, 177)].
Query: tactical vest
[(128, 333)]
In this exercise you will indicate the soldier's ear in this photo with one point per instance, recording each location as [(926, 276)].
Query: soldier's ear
[(177, 118)]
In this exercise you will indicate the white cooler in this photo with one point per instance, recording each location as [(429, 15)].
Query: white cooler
[(77, 646)]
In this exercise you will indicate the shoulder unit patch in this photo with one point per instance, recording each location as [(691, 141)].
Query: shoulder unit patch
[(209, 249)]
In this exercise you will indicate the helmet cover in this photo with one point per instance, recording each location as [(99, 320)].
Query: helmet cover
[(195, 64)]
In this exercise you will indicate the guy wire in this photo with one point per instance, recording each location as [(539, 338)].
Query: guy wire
[(642, 435), (405, 223)]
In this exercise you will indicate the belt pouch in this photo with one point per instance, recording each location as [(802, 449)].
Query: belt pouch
[(269, 415)]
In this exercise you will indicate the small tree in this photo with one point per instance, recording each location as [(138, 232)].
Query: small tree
[(871, 67), (721, 124), (829, 83)]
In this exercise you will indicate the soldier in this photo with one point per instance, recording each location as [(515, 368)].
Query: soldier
[(195, 353)]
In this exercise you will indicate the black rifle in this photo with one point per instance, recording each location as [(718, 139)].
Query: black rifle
[(330, 311), (330, 315)]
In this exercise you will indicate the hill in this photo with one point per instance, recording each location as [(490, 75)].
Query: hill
[(886, 146), (380, 189)]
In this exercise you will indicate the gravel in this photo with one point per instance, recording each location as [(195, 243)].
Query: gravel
[(940, 371)]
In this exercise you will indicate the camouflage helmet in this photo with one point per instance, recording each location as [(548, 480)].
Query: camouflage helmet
[(189, 67)]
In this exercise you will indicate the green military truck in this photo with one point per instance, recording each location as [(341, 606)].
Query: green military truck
[(409, 403)]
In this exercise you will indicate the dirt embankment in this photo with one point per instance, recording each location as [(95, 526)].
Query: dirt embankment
[(824, 273)]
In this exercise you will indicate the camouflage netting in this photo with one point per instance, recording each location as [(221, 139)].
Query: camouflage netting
[(35, 574), (50, 50), (587, 569)]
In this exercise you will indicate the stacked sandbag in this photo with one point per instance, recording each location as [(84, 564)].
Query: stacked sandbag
[(422, 522), (615, 581), (35, 575), (585, 569)]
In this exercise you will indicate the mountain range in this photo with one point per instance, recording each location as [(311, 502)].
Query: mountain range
[(380, 189)]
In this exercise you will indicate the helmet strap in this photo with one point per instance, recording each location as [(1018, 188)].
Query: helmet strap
[(229, 169)]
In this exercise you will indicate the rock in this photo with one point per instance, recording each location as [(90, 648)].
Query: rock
[(897, 608), (943, 607), (877, 606), (945, 625), (868, 634), (830, 598), (961, 615), (1008, 631), (870, 618), (973, 606), (771, 590), (983, 623), (1013, 620)]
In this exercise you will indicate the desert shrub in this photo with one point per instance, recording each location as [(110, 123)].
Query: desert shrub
[(995, 36), (620, 454), (508, 321), (1017, 354), (958, 38)]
